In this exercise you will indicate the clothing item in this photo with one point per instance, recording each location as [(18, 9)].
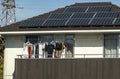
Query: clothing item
[(29, 51), (50, 50), (52, 43), (37, 51), (25, 51), (58, 46), (59, 49), (40, 51), (46, 50), (43, 50), (63, 45), (63, 53), (33, 51), (58, 53)]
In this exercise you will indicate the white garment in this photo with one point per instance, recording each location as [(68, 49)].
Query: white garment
[(63, 53), (33, 52), (40, 51), (25, 51), (43, 50)]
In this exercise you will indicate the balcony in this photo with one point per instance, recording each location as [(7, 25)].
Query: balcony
[(85, 67)]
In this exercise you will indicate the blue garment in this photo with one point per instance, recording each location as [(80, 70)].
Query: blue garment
[(52, 43)]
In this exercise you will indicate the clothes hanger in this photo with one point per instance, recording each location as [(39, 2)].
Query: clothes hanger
[(28, 42)]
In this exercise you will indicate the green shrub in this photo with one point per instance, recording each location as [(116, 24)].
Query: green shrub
[(1, 71)]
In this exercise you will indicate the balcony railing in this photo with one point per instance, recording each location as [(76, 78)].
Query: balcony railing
[(72, 56)]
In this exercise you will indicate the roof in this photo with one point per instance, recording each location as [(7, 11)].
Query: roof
[(80, 16)]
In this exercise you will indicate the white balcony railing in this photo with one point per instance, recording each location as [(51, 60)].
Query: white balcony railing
[(70, 56)]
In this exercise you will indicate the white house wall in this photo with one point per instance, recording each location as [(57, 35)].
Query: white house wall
[(13, 47), (89, 44)]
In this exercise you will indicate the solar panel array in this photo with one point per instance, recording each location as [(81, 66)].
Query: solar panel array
[(60, 22), (76, 9), (83, 15), (32, 23), (102, 21), (78, 22), (99, 8), (60, 16), (106, 14), (117, 22), (88, 9), (77, 16)]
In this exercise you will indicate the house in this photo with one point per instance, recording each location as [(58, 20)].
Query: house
[(94, 29)]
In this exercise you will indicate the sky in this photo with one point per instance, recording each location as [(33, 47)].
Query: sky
[(36, 7)]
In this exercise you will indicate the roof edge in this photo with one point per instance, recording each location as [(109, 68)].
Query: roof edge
[(60, 32)]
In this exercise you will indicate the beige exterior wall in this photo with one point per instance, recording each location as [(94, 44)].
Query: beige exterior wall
[(13, 47), (89, 44)]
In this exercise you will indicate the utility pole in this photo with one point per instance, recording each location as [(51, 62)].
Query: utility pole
[(8, 12)]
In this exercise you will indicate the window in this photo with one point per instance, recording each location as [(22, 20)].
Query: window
[(33, 39), (46, 38), (37, 38), (110, 46)]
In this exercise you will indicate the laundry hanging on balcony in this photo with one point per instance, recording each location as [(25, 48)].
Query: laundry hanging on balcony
[(33, 50), (27, 50)]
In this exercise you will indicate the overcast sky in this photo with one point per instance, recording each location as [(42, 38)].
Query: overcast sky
[(36, 7)]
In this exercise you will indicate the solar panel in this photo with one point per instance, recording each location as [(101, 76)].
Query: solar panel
[(102, 21), (83, 15), (98, 8), (78, 22), (117, 22), (106, 14), (32, 23), (60, 16), (55, 22), (75, 9)]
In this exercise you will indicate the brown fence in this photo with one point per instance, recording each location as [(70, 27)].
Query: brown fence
[(67, 68)]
